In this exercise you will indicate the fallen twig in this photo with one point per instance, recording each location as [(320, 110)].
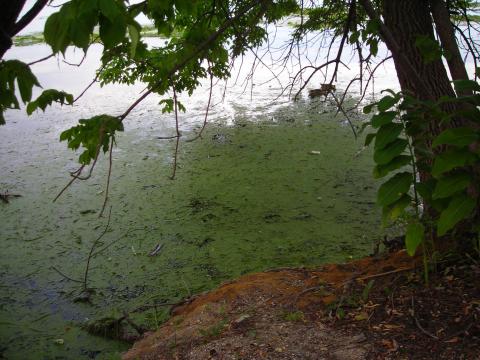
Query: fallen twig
[(168, 137), (153, 306), (65, 276), (4, 197), (156, 250), (385, 273), (420, 327), (314, 288)]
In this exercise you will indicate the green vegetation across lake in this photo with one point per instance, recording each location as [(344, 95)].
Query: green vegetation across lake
[(247, 197), (37, 37)]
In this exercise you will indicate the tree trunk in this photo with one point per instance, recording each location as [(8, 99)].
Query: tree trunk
[(406, 20), (9, 26), (446, 33), (430, 80), (10, 11)]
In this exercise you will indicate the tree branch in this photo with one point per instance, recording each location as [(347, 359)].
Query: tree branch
[(40, 60), (175, 104), (199, 135), (28, 17)]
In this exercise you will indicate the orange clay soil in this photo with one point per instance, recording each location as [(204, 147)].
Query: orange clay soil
[(276, 314)]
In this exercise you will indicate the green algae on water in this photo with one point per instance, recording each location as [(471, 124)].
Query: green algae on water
[(247, 197)]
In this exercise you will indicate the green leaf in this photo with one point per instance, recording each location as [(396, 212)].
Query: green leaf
[(386, 103), (383, 118), (181, 107), (387, 134), (466, 85), (425, 189), (429, 48), (368, 109), (93, 135), (81, 31), (373, 47), (87, 7), (470, 112), (372, 26), (184, 6), (159, 6), (73, 24), (473, 99), (53, 32), (354, 37), (26, 80), (462, 136), (394, 188), (369, 138), (391, 92), (12, 70), (380, 171), (458, 209), (57, 27), (393, 211), (385, 155), (25, 88), (112, 33), (134, 34), (414, 237), (168, 105), (440, 204), (31, 108), (110, 9), (451, 184), (47, 98), (451, 159)]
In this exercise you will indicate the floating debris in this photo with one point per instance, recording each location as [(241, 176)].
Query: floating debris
[(4, 197), (324, 90), (156, 250)]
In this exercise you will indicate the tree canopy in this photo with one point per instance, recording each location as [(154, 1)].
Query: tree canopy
[(430, 126)]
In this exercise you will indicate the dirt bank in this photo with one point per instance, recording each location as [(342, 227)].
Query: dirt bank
[(333, 312)]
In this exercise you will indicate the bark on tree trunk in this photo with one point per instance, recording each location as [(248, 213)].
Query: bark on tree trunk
[(9, 26), (406, 20), (446, 33), (9, 14)]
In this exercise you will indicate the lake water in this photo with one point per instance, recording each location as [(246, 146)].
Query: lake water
[(272, 183)]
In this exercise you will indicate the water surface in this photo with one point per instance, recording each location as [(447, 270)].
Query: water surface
[(272, 183)]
